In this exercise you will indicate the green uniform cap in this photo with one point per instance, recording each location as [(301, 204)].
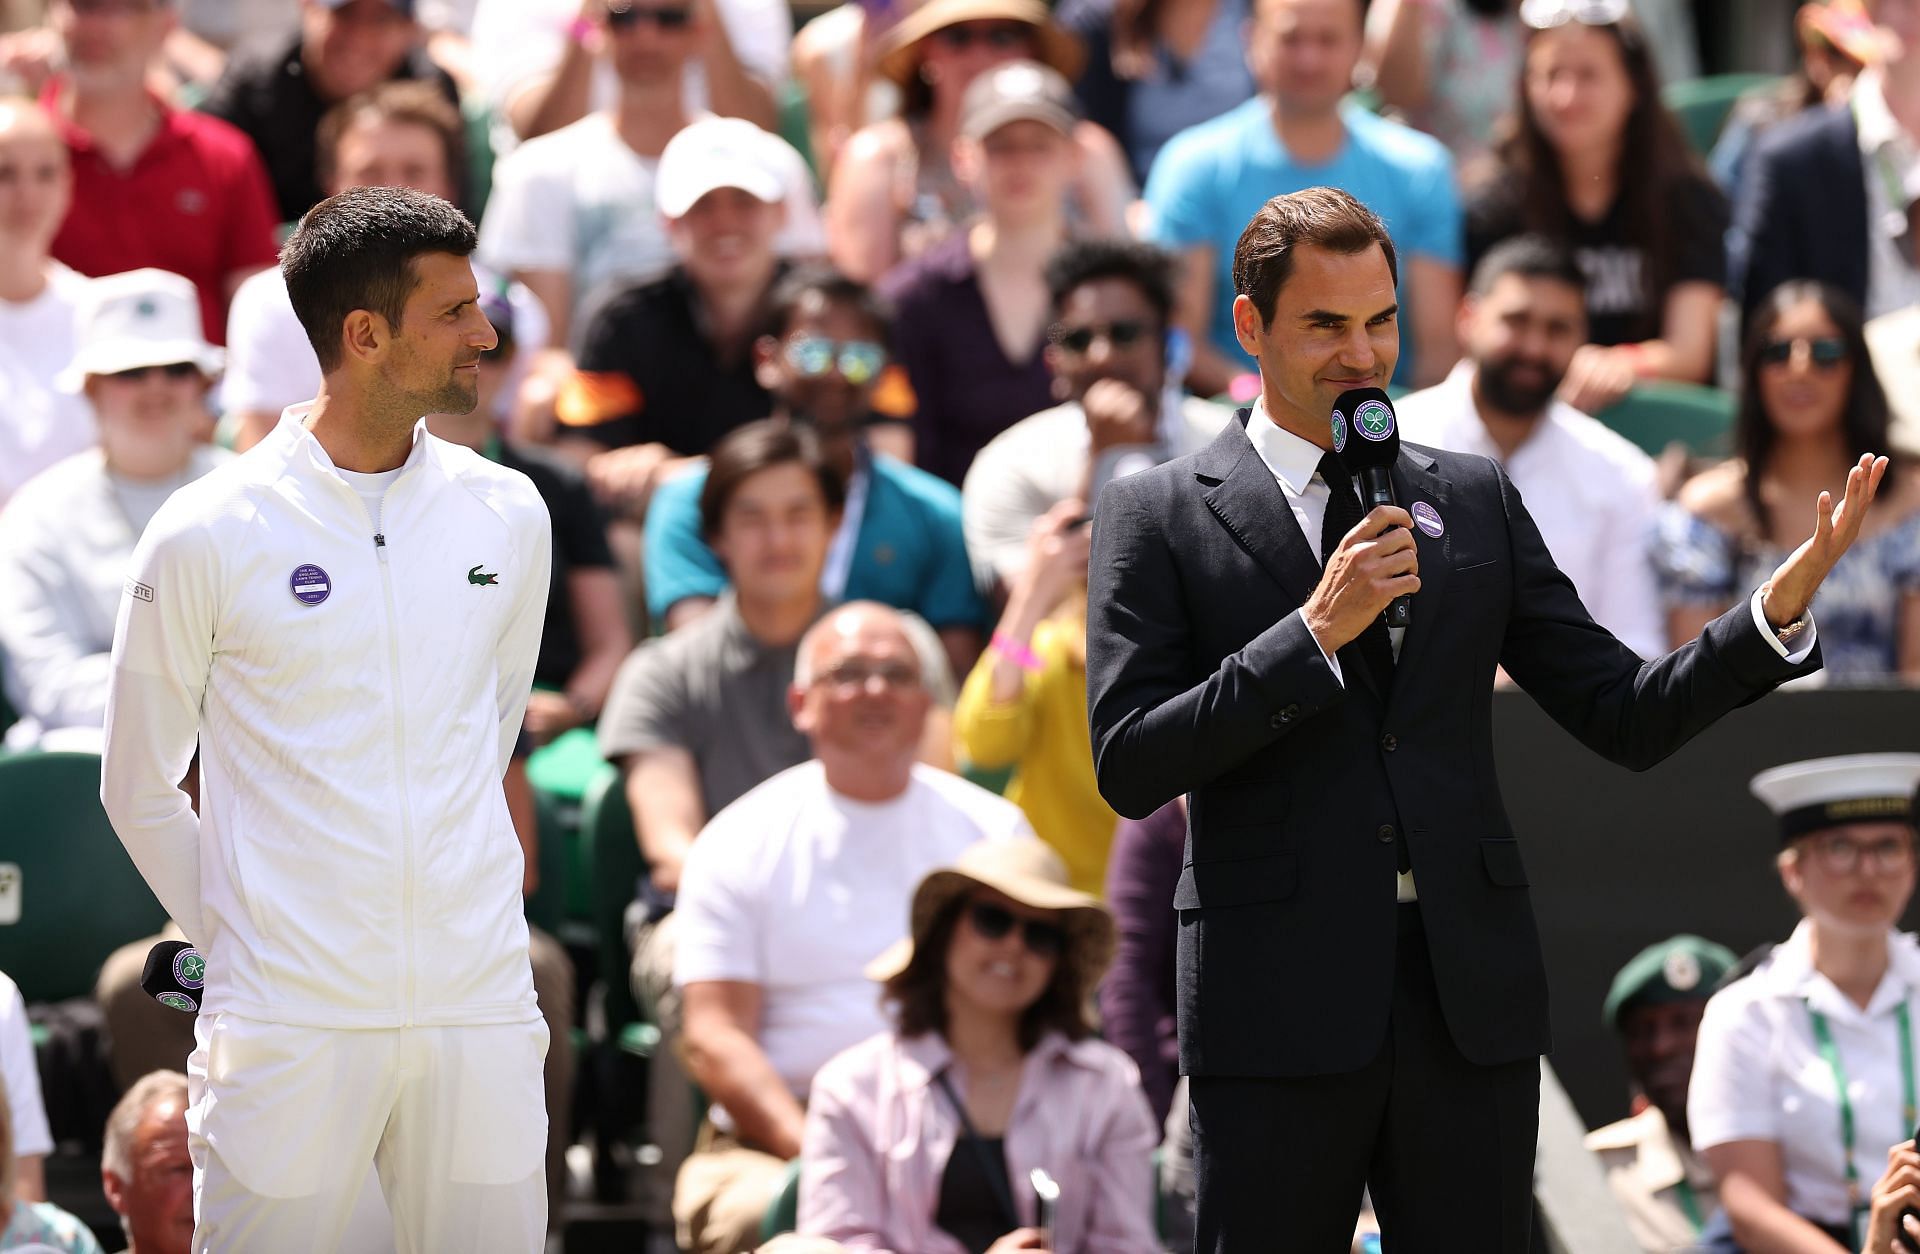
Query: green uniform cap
[(1682, 968)]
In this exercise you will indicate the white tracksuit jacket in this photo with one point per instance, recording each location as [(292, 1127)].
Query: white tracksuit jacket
[(355, 700)]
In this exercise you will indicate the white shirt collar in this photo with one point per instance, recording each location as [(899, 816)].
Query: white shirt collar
[(293, 421), (1790, 973), (1293, 459)]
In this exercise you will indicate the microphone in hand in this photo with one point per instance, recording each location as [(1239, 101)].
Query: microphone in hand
[(174, 975), (1366, 439)]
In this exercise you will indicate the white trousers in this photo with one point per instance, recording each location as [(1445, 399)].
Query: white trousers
[(283, 1122)]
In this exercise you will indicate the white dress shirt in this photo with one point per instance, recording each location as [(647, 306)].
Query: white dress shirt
[(1590, 491), (1758, 1074)]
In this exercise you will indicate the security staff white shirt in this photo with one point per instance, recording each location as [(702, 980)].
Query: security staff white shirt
[(1758, 1074), (354, 691)]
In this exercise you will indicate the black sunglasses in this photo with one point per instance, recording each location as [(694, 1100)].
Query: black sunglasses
[(1123, 334), (672, 17), (965, 35), (1043, 940), (173, 370), (1824, 351)]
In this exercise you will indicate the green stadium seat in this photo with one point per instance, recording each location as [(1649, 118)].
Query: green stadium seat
[(796, 126), (1702, 104), (783, 1212), (69, 895), (616, 866), (1655, 415), (547, 908), (477, 116)]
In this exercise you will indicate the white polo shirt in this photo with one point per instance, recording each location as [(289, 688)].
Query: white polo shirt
[(1758, 1072)]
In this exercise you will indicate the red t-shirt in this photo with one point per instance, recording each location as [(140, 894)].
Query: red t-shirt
[(196, 202)]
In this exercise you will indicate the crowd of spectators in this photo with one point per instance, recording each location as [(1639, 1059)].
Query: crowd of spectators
[(819, 346)]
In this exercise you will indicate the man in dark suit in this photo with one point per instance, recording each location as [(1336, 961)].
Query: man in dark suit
[(1334, 1038)]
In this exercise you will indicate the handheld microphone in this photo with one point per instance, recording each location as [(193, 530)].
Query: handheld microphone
[(174, 975), (1366, 439)]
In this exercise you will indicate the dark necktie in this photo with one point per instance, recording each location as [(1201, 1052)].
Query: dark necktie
[(1374, 646)]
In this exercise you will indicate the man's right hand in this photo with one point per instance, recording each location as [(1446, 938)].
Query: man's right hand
[(1374, 563), (1117, 413)]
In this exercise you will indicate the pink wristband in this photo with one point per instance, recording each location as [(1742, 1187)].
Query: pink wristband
[(1019, 654), (580, 29)]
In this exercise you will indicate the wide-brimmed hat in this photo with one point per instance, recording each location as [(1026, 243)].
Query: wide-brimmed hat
[(1027, 872), (1052, 44), (138, 318)]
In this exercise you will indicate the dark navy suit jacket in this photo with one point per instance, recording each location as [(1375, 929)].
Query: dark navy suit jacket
[(1803, 209), (1203, 679)]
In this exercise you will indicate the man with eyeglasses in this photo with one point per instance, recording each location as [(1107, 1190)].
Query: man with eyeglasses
[(67, 536), (1591, 491), (278, 95), (898, 541), (1111, 349), (790, 892), (152, 185)]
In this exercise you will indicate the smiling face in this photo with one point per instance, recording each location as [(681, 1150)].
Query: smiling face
[(1335, 327), (1659, 1042), (727, 237), (865, 698), (433, 358), (1805, 394), (996, 975), (150, 418)]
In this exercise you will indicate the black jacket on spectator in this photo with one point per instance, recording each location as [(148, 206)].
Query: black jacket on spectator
[(1803, 209), (268, 95)]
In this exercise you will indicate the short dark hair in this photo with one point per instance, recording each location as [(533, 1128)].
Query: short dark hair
[(356, 251), (747, 450), (1084, 261), (1323, 216), (405, 103), (918, 991), (1529, 257), (833, 287)]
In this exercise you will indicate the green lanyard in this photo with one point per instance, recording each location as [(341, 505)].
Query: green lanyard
[(1823, 1036), (1690, 1204)]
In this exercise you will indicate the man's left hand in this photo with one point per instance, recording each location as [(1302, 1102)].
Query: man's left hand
[(1791, 589)]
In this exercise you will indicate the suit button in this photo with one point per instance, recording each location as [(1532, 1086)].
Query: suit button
[(1389, 742), (1284, 718), (1385, 834)]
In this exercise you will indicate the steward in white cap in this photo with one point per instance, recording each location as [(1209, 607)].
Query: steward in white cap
[(1804, 1082)]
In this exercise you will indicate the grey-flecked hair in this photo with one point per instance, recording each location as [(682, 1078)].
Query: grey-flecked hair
[(149, 1089)]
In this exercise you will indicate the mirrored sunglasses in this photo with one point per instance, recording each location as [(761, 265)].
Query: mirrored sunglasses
[(858, 361)]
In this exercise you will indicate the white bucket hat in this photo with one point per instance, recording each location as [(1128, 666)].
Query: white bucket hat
[(139, 318)]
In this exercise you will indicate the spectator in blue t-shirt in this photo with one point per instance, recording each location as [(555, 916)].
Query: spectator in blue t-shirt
[(1299, 133), (899, 540)]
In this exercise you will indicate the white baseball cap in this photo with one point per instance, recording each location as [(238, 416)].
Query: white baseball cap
[(139, 318), (714, 153)]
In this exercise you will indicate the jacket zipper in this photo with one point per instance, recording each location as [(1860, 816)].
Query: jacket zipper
[(400, 764)]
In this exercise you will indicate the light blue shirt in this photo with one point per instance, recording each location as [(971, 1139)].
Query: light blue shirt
[(1210, 179)]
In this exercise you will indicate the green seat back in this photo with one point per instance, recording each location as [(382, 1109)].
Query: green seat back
[(78, 895), (1701, 105), (614, 855), (1655, 415), (547, 908), (477, 115), (796, 125), (783, 1212)]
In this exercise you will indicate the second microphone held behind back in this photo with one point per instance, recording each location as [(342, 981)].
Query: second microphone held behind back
[(1366, 439)]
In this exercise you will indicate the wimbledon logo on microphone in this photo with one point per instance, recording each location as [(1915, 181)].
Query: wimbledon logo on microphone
[(1373, 421), (1339, 432)]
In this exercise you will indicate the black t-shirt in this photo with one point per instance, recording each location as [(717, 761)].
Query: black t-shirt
[(579, 543), (269, 96), (647, 373), (969, 1209), (1621, 307)]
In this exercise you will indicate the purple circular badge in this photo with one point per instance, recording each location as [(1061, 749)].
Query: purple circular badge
[(310, 584), (1427, 518)]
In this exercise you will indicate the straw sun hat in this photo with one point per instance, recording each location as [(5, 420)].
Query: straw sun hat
[(1052, 45), (1027, 872)]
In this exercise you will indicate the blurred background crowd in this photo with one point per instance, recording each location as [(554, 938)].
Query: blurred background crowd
[(845, 314)]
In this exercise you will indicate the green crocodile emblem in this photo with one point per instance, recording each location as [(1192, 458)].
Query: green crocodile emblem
[(480, 577)]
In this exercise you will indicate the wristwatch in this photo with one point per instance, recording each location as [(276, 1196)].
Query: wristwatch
[(1787, 633)]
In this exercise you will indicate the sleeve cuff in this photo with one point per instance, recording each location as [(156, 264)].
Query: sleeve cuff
[(1333, 660), (1807, 639)]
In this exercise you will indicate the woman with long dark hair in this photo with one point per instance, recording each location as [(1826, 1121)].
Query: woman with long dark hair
[(1809, 407), (1593, 160), (948, 1133)]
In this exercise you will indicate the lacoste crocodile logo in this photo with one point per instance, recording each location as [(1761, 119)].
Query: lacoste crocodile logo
[(480, 577)]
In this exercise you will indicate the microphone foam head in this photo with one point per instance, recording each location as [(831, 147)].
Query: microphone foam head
[(1365, 430)]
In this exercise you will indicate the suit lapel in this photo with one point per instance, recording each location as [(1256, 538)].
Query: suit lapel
[(1249, 503), (1416, 479)]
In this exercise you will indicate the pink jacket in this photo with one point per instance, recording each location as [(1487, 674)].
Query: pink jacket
[(880, 1131)]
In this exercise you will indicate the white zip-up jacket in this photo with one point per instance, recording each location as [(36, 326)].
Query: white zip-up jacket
[(354, 698)]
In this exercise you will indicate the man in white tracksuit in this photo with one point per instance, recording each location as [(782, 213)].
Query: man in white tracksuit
[(343, 621)]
